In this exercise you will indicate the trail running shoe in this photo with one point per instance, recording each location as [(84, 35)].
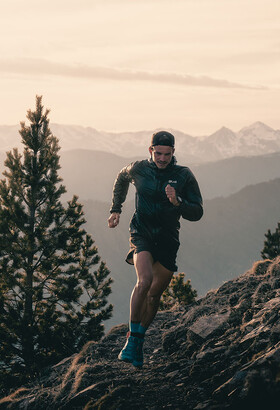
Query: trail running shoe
[(132, 351)]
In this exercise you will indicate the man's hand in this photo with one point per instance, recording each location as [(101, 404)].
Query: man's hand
[(171, 195), (114, 220)]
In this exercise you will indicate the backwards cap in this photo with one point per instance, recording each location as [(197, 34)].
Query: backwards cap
[(163, 138)]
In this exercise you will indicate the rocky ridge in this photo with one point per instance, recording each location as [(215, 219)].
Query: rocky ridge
[(222, 352)]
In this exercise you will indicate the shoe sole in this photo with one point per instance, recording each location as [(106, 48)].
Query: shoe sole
[(127, 360), (138, 365)]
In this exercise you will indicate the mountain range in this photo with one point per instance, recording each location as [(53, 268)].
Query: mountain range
[(256, 139)]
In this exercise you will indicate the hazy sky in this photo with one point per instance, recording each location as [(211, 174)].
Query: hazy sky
[(124, 65)]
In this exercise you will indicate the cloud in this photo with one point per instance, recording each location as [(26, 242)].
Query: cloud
[(45, 67)]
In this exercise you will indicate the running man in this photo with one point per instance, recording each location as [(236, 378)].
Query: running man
[(164, 192)]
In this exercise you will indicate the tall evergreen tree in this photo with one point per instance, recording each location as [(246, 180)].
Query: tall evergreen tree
[(271, 244), (53, 287)]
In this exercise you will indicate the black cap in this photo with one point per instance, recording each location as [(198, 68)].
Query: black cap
[(163, 138)]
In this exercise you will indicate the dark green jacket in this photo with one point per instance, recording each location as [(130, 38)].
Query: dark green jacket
[(154, 214)]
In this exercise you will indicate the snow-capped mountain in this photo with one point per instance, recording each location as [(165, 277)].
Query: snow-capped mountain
[(256, 139)]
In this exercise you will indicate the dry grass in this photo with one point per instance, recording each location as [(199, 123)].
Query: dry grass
[(76, 371), (260, 267), (15, 396)]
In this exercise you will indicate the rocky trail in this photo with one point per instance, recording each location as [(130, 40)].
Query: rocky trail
[(222, 352)]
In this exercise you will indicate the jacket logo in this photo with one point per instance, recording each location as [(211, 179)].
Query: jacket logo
[(172, 182)]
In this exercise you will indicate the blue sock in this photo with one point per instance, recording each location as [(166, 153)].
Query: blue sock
[(133, 326), (141, 329)]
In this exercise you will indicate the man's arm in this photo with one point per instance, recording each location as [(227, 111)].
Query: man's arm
[(190, 204), (119, 195)]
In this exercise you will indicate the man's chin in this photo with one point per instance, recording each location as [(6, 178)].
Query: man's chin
[(161, 166)]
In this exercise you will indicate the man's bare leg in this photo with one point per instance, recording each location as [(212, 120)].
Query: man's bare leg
[(161, 280), (152, 280), (143, 263), (133, 349)]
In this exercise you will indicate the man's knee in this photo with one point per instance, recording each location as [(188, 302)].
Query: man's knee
[(153, 299), (143, 284), (144, 269)]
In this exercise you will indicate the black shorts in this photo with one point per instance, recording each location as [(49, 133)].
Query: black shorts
[(164, 250)]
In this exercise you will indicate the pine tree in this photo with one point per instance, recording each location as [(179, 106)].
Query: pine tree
[(271, 244), (179, 292), (51, 299)]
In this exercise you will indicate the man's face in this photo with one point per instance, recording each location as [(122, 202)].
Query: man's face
[(161, 155)]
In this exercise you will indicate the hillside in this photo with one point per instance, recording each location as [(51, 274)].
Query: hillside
[(91, 174), (222, 245), (222, 352), (230, 236), (228, 176)]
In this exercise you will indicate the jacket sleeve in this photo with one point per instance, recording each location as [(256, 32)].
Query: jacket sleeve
[(120, 188), (191, 207)]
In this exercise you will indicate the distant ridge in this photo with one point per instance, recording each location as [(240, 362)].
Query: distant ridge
[(256, 139)]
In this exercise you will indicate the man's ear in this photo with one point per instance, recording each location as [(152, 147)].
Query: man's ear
[(150, 150)]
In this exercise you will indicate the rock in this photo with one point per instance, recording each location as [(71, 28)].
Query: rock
[(207, 325)]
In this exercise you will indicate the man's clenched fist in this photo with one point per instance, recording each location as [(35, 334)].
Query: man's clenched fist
[(114, 220), (171, 195)]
